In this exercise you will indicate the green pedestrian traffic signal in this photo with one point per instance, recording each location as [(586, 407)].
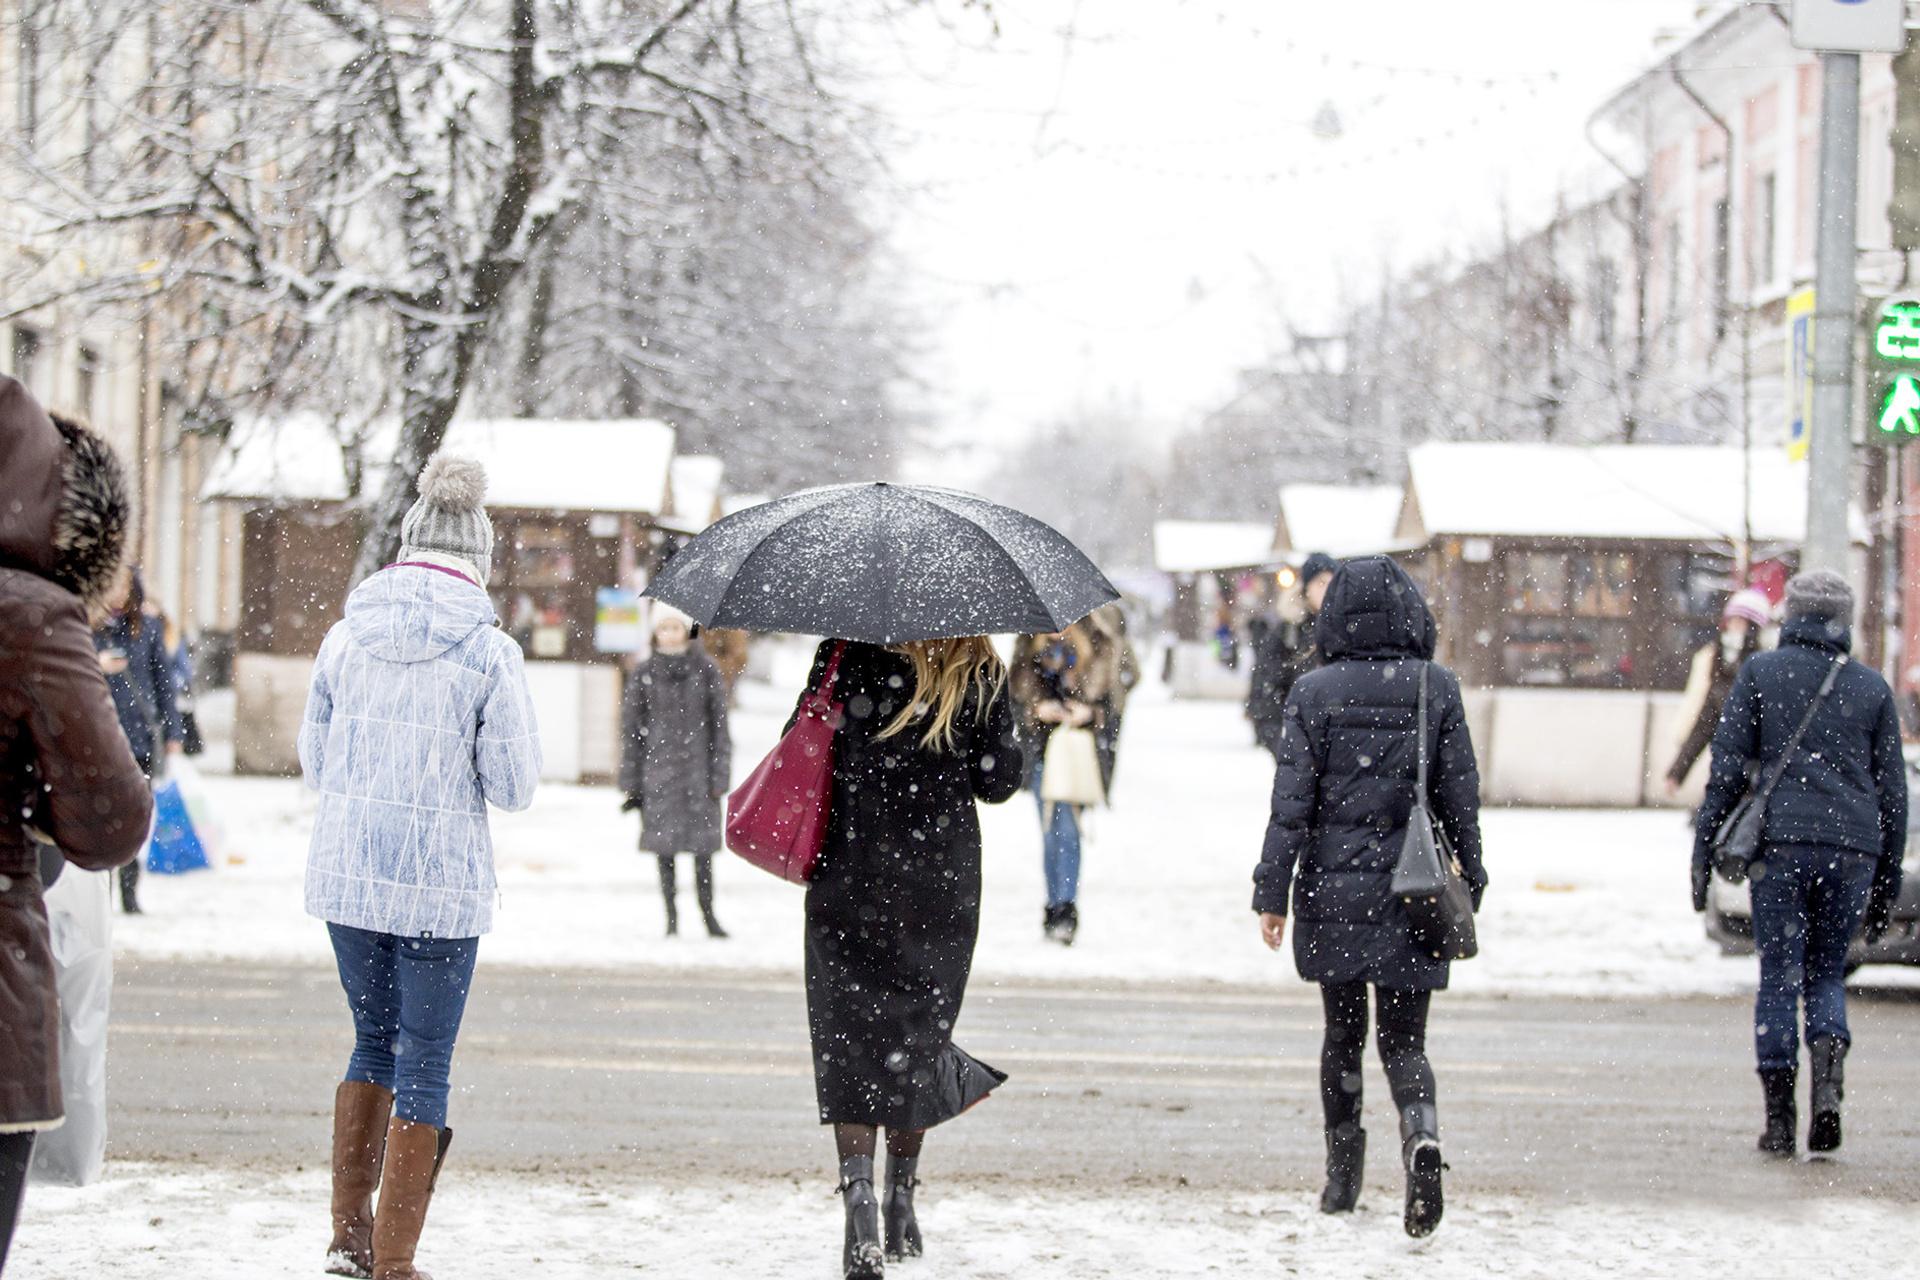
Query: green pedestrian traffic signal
[(1895, 372), (1900, 408)]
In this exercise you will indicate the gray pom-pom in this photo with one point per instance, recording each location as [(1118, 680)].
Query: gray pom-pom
[(459, 484)]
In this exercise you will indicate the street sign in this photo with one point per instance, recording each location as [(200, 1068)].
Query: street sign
[(1896, 372), (1850, 26), (1799, 372)]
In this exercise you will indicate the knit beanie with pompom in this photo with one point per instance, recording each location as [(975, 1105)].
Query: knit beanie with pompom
[(450, 517)]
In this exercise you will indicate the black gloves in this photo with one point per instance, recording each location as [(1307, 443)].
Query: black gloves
[(1702, 877), (632, 805), (1879, 919)]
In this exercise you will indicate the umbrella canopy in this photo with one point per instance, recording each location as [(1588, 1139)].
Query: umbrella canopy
[(884, 563)]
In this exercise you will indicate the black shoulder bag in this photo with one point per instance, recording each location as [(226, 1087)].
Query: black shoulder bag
[(1427, 879), (1737, 843)]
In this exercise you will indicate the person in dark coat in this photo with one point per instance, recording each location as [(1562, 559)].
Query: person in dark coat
[(69, 785), (1711, 678), (1342, 792), (677, 758), (132, 649), (1283, 651), (893, 910), (1836, 830)]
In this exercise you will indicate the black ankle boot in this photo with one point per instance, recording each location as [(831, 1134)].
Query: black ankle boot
[(1069, 923), (1346, 1161), (1829, 1056), (1420, 1152), (903, 1228), (713, 926), (1776, 1083), (861, 1258)]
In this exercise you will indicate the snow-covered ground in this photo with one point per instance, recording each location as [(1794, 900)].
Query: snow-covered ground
[(226, 1225), (1582, 902)]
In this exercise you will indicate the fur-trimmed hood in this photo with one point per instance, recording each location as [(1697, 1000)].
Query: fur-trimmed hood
[(64, 508)]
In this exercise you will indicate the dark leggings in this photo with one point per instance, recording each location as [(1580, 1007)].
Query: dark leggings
[(16, 1152), (702, 881), (1403, 1048)]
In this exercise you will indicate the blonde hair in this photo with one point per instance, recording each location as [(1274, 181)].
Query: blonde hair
[(944, 672)]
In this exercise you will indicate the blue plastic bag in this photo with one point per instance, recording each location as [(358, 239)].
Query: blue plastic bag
[(176, 846)]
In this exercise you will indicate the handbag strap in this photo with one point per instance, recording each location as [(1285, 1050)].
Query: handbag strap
[(832, 673), (1800, 731), (1420, 786)]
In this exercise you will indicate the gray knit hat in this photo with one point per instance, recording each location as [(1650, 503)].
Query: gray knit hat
[(1819, 593), (450, 518)]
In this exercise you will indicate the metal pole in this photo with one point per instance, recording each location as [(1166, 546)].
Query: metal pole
[(1830, 473)]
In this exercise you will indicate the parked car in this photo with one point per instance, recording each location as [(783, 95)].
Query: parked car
[(1729, 915)]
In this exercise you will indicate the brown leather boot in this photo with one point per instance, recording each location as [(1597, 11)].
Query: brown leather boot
[(414, 1153), (360, 1113)]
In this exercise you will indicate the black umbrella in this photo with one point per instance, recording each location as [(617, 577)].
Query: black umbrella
[(882, 563)]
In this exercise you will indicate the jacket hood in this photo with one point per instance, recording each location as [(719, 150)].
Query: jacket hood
[(408, 614), (1831, 635), (1374, 609), (64, 508)]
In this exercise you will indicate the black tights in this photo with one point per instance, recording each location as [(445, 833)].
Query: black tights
[(702, 884), (16, 1153), (1403, 1048), (858, 1140)]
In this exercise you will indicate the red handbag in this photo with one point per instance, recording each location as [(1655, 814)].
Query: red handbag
[(777, 818)]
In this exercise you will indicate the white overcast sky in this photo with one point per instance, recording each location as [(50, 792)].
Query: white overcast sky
[(1116, 201)]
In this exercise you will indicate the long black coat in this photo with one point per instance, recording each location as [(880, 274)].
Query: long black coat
[(894, 905), (1847, 785), (1282, 653), (677, 755), (1344, 783)]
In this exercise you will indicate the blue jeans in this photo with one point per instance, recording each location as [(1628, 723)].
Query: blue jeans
[(1060, 843), (408, 996), (1807, 903)]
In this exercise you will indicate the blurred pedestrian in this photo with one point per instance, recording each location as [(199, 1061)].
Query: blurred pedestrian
[(418, 716), (730, 651), (1830, 853), (677, 757), (893, 911), (1710, 679), (1343, 791), (70, 787), (1284, 649), (1066, 679), (180, 657), (132, 652)]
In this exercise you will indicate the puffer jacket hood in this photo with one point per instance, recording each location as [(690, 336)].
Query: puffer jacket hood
[(1829, 634), (64, 508), (1374, 609), (413, 614)]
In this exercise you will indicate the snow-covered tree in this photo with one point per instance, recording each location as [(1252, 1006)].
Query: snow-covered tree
[(331, 203)]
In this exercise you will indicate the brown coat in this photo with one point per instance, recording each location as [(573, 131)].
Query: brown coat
[(1103, 672), (66, 772)]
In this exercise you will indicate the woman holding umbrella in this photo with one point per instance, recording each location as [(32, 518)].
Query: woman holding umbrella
[(914, 579), (894, 908)]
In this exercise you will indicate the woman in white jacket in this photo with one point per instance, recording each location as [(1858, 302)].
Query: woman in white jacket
[(418, 717)]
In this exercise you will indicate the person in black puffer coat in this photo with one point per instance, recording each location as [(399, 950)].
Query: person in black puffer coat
[(1342, 793), (1836, 830)]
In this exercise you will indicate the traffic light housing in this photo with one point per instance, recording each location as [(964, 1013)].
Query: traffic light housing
[(1894, 389)]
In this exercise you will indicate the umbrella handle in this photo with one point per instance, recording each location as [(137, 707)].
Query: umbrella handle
[(832, 673)]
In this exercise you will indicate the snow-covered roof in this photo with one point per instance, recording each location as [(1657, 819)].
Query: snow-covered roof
[(696, 491), (1195, 546), (1681, 492), (1341, 520), (540, 463)]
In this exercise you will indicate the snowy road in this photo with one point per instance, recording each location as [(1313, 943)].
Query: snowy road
[(660, 1121)]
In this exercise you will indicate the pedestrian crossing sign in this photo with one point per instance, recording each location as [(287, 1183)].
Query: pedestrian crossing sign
[(1799, 372), (1896, 361)]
